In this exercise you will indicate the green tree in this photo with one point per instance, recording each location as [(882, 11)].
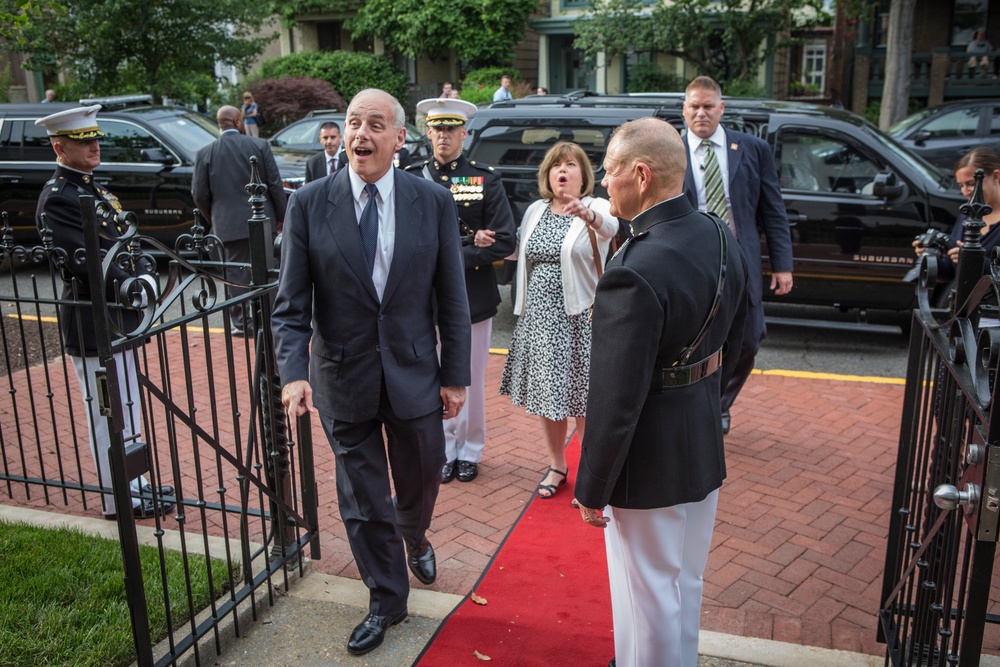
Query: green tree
[(16, 15), (167, 48), (725, 39), (347, 71), (480, 32)]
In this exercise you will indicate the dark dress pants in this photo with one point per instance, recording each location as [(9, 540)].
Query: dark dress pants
[(754, 332), (376, 525)]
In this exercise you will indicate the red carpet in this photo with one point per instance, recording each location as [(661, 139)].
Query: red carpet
[(546, 592)]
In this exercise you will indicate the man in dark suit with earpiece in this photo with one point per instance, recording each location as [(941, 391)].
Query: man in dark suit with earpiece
[(747, 196)]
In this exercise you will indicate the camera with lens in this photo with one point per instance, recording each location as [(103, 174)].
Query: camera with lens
[(931, 240), (935, 239)]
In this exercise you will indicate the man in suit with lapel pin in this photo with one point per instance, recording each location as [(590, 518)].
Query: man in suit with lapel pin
[(371, 263), (732, 174)]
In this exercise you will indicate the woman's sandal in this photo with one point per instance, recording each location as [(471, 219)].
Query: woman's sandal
[(550, 489)]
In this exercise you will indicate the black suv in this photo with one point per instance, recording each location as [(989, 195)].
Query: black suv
[(855, 198), (147, 160)]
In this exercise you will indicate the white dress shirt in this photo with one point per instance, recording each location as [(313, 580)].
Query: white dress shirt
[(386, 203)]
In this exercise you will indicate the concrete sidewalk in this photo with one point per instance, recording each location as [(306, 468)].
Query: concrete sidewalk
[(795, 570)]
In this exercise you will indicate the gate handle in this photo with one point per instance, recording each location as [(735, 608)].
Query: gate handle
[(948, 497)]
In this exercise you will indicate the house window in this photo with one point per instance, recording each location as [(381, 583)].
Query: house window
[(328, 35), (814, 68), (967, 17)]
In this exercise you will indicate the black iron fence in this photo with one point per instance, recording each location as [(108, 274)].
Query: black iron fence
[(938, 579), (199, 456)]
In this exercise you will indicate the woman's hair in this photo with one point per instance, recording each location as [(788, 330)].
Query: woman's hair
[(247, 93), (559, 151), (986, 159)]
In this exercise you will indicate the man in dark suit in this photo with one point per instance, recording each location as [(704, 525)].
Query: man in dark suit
[(652, 456), (332, 157), (221, 173), (371, 262), (74, 135), (486, 225), (750, 202)]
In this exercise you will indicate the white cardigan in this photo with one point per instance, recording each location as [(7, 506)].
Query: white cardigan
[(576, 258)]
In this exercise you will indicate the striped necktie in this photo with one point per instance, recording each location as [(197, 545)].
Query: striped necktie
[(331, 165), (715, 194)]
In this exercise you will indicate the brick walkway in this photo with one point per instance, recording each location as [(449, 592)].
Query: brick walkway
[(800, 535)]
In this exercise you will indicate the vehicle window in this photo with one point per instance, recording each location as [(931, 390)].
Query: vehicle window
[(190, 132), (958, 123), (124, 142), (823, 163), (520, 147), (994, 120), (303, 133), (25, 141)]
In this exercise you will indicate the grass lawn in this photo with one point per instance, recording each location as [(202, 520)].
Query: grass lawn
[(62, 597)]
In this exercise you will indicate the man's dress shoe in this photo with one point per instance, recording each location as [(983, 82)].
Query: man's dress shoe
[(370, 633), (448, 472), (160, 490), (145, 510), (467, 471), (725, 422), (422, 563)]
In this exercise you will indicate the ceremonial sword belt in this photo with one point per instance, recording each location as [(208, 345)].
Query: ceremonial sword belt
[(682, 376)]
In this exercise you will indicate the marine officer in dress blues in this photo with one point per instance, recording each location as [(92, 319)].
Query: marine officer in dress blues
[(74, 137), (486, 226)]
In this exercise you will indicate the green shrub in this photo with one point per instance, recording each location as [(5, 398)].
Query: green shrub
[(743, 88), (346, 71), (477, 93), (6, 79), (649, 78), (479, 85)]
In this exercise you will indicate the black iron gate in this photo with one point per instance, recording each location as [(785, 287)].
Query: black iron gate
[(209, 422), (936, 587)]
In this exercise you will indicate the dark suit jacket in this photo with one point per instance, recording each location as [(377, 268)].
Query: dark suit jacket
[(316, 165), (325, 283), (755, 195), (221, 172), (646, 449)]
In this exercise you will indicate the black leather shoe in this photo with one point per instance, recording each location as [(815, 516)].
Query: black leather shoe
[(448, 472), (160, 490), (144, 510), (370, 633), (422, 563), (725, 422), (467, 471)]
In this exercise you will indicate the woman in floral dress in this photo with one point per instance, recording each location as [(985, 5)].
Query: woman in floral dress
[(548, 366)]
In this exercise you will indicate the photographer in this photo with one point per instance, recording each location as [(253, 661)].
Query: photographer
[(965, 173)]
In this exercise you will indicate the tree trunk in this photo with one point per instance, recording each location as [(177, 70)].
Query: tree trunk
[(899, 47)]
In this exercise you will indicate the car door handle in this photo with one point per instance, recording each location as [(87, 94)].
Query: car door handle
[(794, 217), (10, 178)]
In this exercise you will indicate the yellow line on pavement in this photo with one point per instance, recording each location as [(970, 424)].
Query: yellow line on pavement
[(32, 318), (809, 375)]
